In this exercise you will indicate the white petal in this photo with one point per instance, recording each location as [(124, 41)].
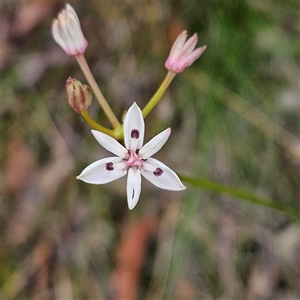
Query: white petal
[(57, 35), (97, 173), (168, 180), (189, 46), (133, 187), (155, 144), (110, 143), (178, 45), (63, 27), (75, 32), (193, 56), (134, 124), (69, 7)]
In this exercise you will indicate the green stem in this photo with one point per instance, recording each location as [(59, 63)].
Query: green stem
[(159, 93), (91, 80), (95, 125), (241, 194), (118, 133)]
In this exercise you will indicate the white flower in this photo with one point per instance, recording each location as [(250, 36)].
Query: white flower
[(67, 32), (134, 159), (182, 54)]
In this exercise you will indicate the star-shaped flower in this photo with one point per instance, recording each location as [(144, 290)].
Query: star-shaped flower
[(135, 159)]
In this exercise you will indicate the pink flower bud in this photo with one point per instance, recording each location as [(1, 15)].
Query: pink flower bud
[(182, 54), (67, 32), (80, 96)]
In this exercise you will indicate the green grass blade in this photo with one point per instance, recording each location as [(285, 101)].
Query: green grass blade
[(240, 194)]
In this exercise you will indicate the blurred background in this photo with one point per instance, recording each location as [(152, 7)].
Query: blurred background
[(234, 116)]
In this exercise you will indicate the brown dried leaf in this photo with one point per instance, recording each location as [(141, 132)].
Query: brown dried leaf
[(19, 166), (130, 257)]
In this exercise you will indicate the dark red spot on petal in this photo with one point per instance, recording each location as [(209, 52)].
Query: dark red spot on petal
[(109, 166), (158, 172), (135, 133)]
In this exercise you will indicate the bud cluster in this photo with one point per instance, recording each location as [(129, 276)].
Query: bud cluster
[(66, 31)]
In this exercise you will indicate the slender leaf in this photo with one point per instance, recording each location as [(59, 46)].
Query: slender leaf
[(242, 194)]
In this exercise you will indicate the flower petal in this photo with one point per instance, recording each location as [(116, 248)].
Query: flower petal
[(178, 45), (134, 128), (193, 56), (162, 176), (133, 187), (75, 32), (57, 36), (110, 143), (155, 144), (69, 7), (63, 24), (103, 171), (189, 46)]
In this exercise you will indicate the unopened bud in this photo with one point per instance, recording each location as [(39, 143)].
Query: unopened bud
[(80, 95), (183, 54), (66, 31)]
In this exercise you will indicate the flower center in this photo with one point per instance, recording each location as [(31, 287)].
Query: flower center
[(134, 160)]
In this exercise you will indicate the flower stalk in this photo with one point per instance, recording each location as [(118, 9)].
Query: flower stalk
[(95, 125), (159, 93), (102, 101)]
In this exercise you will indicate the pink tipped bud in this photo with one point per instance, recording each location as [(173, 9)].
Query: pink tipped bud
[(182, 54), (67, 32), (80, 96)]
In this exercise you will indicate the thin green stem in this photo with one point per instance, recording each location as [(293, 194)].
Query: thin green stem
[(241, 194), (91, 80), (159, 93), (95, 125), (118, 133)]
